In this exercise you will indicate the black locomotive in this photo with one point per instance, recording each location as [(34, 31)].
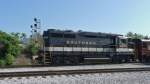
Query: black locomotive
[(69, 47)]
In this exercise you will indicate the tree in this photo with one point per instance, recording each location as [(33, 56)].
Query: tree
[(146, 37), (2, 62), (130, 34), (9, 59), (17, 35), (23, 36), (11, 47), (37, 39), (135, 35), (33, 48)]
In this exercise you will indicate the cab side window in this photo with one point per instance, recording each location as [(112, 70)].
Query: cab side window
[(123, 43)]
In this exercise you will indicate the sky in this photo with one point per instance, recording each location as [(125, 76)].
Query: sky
[(109, 16)]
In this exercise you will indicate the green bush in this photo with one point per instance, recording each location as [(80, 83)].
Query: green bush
[(9, 59), (33, 48), (2, 62), (11, 48)]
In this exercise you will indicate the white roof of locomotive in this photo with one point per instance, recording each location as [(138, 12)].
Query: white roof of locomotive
[(146, 40), (123, 37)]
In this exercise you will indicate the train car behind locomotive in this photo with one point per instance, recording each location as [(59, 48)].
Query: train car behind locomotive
[(145, 50)]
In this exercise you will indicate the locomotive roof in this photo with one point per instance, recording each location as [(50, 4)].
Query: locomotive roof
[(123, 37), (146, 40), (82, 32)]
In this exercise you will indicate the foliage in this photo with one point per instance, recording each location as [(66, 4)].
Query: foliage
[(9, 59), (33, 48), (35, 43), (136, 36), (2, 62), (20, 36), (37, 39), (11, 47)]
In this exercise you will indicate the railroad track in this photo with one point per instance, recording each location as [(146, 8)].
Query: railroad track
[(28, 66), (68, 72)]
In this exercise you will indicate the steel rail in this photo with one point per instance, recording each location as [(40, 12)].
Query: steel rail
[(70, 72), (32, 66)]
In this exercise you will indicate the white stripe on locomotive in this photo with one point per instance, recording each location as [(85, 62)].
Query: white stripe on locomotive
[(125, 50), (83, 49)]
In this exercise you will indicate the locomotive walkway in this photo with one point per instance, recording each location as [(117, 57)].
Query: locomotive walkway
[(66, 70)]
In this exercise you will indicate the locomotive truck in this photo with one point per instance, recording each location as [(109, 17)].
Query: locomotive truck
[(70, 47)]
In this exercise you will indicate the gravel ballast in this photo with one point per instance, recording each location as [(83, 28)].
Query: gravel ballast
[(97, 78)]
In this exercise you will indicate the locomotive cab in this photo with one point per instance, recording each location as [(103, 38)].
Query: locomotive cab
[(124, 50)]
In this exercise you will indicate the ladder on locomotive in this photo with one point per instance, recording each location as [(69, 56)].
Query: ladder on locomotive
[(47, 57)]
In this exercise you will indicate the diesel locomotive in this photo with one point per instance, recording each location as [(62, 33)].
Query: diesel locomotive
[(70, 47)]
